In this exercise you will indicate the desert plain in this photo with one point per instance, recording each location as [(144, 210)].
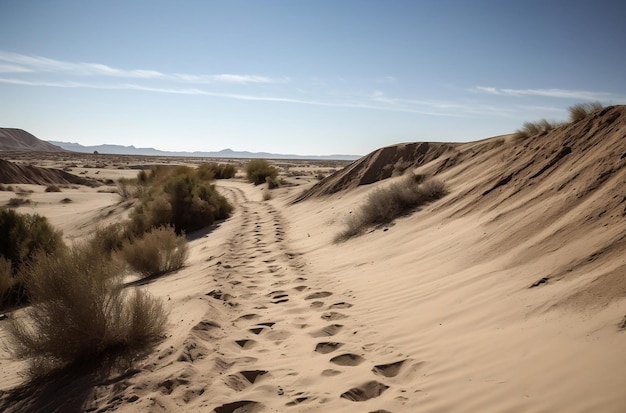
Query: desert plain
[(508, 294)]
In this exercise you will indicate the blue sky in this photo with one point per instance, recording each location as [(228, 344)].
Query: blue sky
[(304, 77)]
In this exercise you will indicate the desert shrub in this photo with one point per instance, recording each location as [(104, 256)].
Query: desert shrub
[(582, 110), (7, 280), (213, 170), (258, 170), (15, 202), (23, 236), (194, 204), (53, 188), (158, 252), (384, 205), (108, 239), (66, 201), (181, 196), (127, 188), (81, 312), (272, 183)]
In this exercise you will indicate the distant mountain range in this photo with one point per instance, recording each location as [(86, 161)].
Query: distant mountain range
[(225, 153)]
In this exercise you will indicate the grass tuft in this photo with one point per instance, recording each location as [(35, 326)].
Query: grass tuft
[(582, 110), (385, 205)]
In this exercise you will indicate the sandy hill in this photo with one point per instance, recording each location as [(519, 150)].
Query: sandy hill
[(13, 173), (506, 295), (566, 182), (19, 140)]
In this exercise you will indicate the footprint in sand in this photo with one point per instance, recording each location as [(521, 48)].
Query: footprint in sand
[(347, 359), (327, 331), (245, 343), (247, 406), (321, 294), (333, 315), (364, 392), (340, 305), (327, 347), (389, 370)]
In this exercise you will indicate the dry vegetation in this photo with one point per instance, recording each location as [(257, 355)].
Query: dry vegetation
[(158, 252), (80, 311), (259, 171), (23, 237), (577, 112), (581, 110), (385, 205), (182, 197)]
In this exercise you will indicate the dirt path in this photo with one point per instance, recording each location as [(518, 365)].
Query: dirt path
[(251, 330)]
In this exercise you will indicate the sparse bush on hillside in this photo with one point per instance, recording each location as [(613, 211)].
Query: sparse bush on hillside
[(535, 128), (158, 252), (53, 188), (385, 205), (581, 110), (576, 112), (258, 170), (81, 312)]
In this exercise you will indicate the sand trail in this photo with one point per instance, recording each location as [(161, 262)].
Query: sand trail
[(253, 330)]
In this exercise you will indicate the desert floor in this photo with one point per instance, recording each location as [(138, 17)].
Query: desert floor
[(431, 314)]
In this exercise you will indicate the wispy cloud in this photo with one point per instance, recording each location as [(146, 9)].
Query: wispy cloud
[(19, 63), (235, 96), (551, 93)]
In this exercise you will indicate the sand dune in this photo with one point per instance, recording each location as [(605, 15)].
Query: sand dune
[(507, 295)]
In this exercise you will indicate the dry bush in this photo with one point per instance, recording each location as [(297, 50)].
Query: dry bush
[(7, 281), (158, 252), (23, 235), (582, 110), (385, 205), (66, 201), (81, 312), (53, 188), (127, 188), (213, 170), (178, 197), (272, 183), (15, 202), (258, 170), (108, 239)]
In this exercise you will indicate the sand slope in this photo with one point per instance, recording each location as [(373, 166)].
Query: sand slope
[(507, 295)]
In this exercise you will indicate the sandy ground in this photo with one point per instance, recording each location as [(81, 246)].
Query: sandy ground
[(433, 314)]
